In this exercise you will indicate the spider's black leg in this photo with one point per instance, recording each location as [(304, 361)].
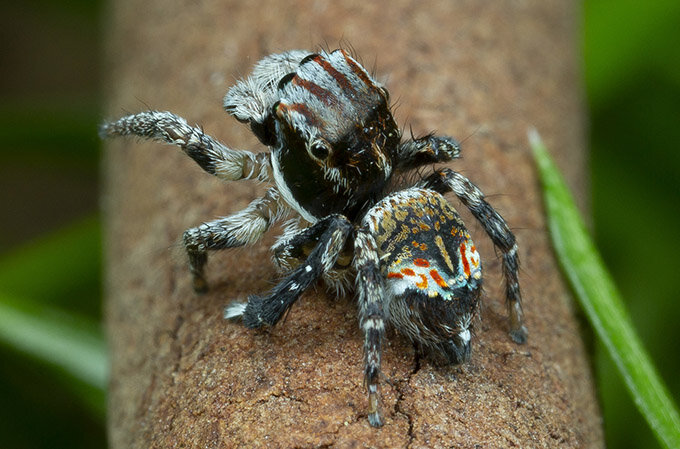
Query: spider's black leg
[(211, 155), (425, 150), (295, 245), (371, 315), (267, 310), (242, 228), (446, 180)]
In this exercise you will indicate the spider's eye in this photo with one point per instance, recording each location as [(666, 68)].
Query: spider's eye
[(285, 80), (309, 58), (275, 108), (278, 111), (319, 150)]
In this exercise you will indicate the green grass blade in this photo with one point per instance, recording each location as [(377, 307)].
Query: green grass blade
[(601, 301), (39, 281), (63, 264), (75, 344)]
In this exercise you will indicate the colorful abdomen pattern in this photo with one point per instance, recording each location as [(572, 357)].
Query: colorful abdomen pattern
[(432, 267)]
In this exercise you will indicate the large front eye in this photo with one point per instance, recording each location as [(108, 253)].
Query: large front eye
[(319, 149), (276, 110)]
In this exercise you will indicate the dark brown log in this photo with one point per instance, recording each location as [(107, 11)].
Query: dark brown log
[(482, 71)]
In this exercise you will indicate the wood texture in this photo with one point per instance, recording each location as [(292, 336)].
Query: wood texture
[(482, 71)]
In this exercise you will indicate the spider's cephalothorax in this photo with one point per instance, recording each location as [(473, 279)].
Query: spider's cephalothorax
[(334, 148), (331, 130)]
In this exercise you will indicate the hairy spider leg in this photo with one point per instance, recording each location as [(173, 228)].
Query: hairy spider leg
[(214, 157), (267, 310), (295, 244), (446, 180), (241, 228), (425, 150), (371, 315)]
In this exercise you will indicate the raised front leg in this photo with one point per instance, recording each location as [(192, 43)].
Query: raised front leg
[(446, 180), (211, 155)]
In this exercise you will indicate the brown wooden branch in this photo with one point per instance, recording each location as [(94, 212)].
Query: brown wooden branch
[(483, 71)]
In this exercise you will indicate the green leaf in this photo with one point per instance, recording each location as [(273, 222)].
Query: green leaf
[(601, 301), (73, 344), (62, 268), (64, 263)]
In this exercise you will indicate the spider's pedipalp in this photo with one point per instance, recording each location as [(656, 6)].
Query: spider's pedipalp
[(426, 150), (211, 155), (447, 180), (296, 243), (242, 228)]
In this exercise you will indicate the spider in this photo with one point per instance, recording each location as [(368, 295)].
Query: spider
[(358, 209)]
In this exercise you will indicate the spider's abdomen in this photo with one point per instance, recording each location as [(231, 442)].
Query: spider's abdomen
[(432, 269)]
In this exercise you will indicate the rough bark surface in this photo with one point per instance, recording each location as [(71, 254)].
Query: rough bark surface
[(483, 71)]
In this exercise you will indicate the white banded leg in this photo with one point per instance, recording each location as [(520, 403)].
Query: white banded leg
[(371, 316), (211, 155), (242, 228), (446, 180)]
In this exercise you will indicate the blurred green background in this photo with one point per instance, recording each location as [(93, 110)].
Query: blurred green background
[(52, 365)]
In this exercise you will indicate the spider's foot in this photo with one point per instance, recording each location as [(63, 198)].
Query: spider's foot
[(235, 310), (519, 335), (374, 418), (200, 284), (518, 331)]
